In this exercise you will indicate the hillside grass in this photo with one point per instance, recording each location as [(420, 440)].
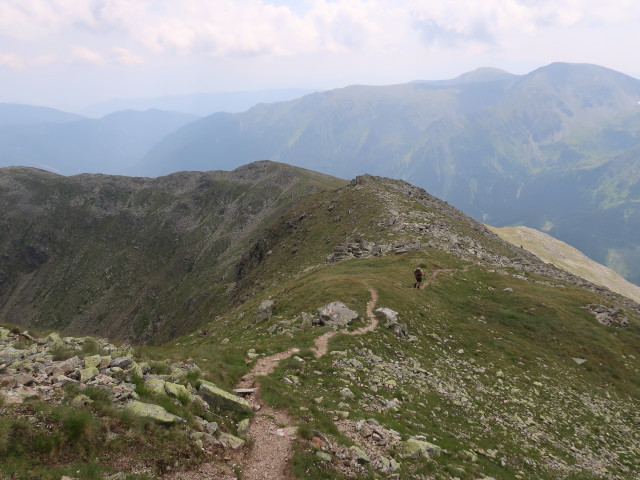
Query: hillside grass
[(499, 351)]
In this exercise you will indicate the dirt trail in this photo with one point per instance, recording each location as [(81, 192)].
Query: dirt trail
[(271, 440), (271, 449)]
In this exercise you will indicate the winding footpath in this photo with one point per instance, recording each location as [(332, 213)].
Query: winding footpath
[(271, 442)]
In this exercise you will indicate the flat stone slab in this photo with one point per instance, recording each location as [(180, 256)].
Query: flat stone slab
[(221, 399), (154, 412)]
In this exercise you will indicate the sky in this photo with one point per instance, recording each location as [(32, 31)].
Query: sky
[(69, 54)]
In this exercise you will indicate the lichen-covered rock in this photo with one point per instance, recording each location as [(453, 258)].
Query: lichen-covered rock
[(324, 456), (154, 412), (55, 340), (81, 401), (176, 390), (87, 374), (155, 385), (92, 361), (220, 399), (414, 448), (360, 455), (230, 441), (243, 426), (134, 370)]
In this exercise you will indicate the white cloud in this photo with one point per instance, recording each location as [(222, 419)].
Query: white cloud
[(85, 56), (124, 57), (12, 61), (258, 27)]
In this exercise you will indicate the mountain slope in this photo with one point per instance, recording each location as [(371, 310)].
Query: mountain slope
[(18, 114), (507, 149), (109, 145), (498, 363), (567, 258), (500, 366), (144, 259)]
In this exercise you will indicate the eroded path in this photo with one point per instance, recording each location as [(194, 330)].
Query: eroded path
[(271, 444), (268, 433)]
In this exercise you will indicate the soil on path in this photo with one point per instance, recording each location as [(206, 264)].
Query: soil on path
[(271, 443), (268, 433)]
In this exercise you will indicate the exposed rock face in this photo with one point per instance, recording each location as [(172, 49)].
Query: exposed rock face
[(336, 314)]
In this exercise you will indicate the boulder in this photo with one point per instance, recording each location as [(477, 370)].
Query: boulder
[(265, 311), (414, 448), (220, 399), (87, 374), (176, 390), (390, 319), (155, 385), (230, 441), (154, 412), (336, 314), (92, 361), (360, 455)]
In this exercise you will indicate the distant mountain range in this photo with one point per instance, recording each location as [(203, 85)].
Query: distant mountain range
[(557, 149), (69, 144), (200, 104)]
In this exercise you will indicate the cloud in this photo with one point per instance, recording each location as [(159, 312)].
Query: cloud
[(85, 56), (124, 57), (263, 27), (12, 61)]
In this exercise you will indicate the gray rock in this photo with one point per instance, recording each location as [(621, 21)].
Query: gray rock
[(154, 412), (336, 314), (220, 399), (265, 311)]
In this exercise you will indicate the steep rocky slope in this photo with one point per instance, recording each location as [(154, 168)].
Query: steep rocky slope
[(138, 258)]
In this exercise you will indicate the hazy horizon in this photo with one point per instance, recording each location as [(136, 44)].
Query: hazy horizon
[(73, 55)]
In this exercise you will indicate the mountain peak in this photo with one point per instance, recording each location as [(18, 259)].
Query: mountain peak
[(483, 74)]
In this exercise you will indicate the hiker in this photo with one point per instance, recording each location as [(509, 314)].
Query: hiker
[(418, 274)]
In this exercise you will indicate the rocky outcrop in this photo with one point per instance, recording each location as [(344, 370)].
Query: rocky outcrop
[(608, 316), (29, 368)]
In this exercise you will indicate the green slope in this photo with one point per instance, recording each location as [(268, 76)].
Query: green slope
[(134, 258), (488, 373)]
